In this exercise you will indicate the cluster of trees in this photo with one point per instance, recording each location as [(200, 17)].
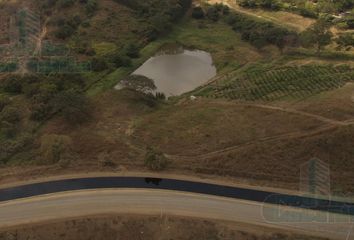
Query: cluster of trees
[(267, 4), (318, 35), (336, 6), (67, 26), (300, 7), (159, 14), (48, 95), (261, 33), (144, 85), (212, 12), (116, 59)]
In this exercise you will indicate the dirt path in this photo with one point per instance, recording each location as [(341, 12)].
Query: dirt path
[(298, 112), (38, 50), (23, 61), (330, 124), (293, 21), (299, 134)]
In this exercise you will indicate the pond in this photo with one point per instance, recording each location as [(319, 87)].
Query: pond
[(179, 70)]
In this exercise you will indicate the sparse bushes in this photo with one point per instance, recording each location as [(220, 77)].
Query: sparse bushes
[(74, 106)]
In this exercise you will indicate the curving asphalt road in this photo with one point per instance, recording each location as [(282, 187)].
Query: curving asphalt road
[(90, 196)]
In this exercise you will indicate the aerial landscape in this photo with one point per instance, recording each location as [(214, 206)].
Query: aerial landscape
[(177, 119)]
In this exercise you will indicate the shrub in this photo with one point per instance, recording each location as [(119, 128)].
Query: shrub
[(9, 121), (4, 101), (91, 6), (75, 106), (120, 60), (10, 114), (54, 148), (40, 112), (99, 64), (64, 32), (132, 50), (154, 160), (12, 84), (198, 13), (65, 3), (213, 13)]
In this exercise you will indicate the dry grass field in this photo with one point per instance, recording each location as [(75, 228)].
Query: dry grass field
[(145, 227)]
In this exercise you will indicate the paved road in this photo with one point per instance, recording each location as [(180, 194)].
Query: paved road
[(142, 201)]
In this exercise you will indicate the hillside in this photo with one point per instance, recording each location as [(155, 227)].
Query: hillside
[(277, 100)]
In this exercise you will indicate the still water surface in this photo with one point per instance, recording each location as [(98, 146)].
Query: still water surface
[(178, 72)]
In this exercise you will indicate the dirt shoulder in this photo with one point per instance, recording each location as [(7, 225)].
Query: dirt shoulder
[(138, 227)]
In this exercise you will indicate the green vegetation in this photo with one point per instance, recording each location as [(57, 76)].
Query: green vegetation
[(261, 33), (155, 160), (318, 35), (7, 67), (139, 83), (283, 83)]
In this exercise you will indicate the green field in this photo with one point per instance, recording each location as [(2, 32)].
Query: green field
[(282, 83)]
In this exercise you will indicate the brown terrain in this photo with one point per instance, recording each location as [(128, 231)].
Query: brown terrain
[(135, 227), (254, 143), (258, 143)]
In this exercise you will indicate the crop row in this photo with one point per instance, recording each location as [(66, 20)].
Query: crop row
[(284, 83)]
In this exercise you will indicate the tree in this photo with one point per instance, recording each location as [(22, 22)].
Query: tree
[(139, 83), (318, 35)]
